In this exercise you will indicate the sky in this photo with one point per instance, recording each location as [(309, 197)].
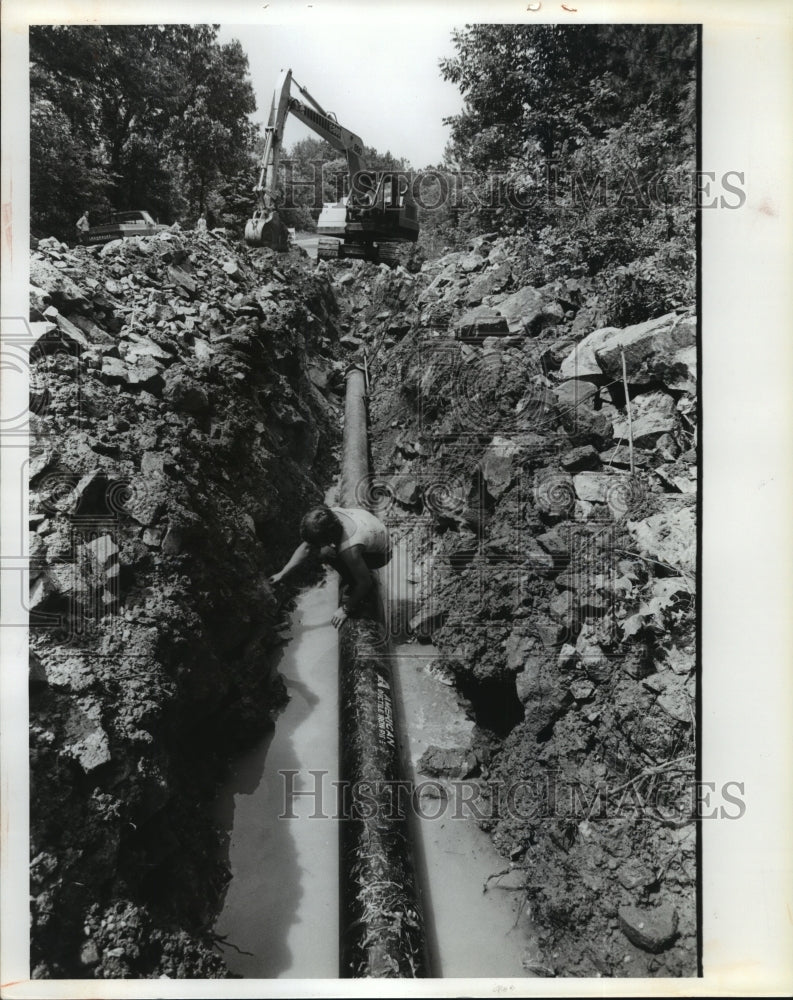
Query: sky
[(381, 79)]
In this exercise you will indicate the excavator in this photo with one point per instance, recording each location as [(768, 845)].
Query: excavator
[(377, 215)]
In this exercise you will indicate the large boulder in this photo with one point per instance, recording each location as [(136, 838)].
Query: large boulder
[(650, 349)]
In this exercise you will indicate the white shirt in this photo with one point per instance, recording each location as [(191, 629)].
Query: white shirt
[(361, 527)]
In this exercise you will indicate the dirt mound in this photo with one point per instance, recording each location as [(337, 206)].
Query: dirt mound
[(178, 433), (558, 583)]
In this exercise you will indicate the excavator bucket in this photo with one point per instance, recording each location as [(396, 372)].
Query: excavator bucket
[(267, 231)]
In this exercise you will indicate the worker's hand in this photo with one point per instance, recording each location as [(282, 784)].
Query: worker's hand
[(339, 618), (275, 578)]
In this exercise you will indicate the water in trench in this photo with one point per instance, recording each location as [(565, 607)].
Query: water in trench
[(479, 922), (280, 916)]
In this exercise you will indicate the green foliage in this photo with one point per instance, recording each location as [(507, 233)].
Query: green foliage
[(140, 116), (581, 138)]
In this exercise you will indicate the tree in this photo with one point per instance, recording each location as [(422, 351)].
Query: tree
[(577, 136), (146, 116)]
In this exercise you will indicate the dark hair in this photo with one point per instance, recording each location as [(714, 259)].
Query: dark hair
[(320, 526)]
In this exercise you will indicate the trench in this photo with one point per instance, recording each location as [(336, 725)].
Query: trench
[(280, 912), (280, 915)]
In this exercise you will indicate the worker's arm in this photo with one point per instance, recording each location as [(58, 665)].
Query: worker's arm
[(300, 555), (362, 582)]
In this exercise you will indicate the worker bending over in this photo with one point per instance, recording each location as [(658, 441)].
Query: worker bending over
[(351, 540)]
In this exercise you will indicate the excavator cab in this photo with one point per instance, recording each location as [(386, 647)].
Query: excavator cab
[(380, 213)]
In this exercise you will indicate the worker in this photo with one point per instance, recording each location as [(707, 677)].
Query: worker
[(201, 225), (353, 542), (82, 226)]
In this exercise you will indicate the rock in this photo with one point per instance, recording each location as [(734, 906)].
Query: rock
[(684, 481), (90, 495), (583, 415), (619, 457), (405, 489), (110, 248), (669, 536), (582, 690), (536, 557), (681, 371), (648, 347), (153, 537), (667, 447), (518, 649), (650, 350), (39, 301), (89, 953), (480, 323), (183, 280), (94, 332), (144, 347), (677, 699), (579, 459), (57, 286), (568, 656), (41, 593), (529, 310), (85, 740), (72, 333), (557, 542), (232, 269), (636, 875), (498, 466), (653, 414), (146, 376), (592, 486), (489, 282), (553, 356), (651, 930), (114, 371), (180, 533), (447, 763), (472, 262), (37, 675), (320, 377), (148, 499), (184, 393), (102, 551), (592, 658), (68, 669), (348, 340)]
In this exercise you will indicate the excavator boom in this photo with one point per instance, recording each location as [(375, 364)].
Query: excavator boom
[(379, 209)]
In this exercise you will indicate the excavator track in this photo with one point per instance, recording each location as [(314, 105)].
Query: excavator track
[(328, 249), (383, 253)]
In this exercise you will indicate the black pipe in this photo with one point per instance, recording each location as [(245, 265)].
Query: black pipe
[(382, 926)]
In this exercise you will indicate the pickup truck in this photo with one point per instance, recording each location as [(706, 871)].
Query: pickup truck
[(124, 224)]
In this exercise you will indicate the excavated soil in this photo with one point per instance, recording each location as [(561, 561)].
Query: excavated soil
[(187, 408)]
